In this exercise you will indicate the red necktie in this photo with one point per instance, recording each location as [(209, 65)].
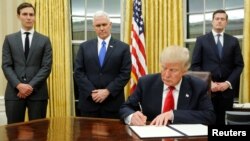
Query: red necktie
[(169, 100)]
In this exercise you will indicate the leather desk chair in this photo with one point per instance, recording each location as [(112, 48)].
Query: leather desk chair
[(237, 118), (205, 76)]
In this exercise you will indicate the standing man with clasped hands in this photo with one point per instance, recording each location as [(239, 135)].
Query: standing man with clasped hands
[(220, 54), (102, 69), (170, 96), (26, 63)]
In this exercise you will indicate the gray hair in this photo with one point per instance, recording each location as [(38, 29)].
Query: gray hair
[(175, 54), (100, 14)]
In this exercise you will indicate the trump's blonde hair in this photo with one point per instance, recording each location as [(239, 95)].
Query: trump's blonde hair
[(175, 54)]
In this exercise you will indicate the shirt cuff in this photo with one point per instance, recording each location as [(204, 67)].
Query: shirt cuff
[(127, 120), (230, 86), (172, 116)]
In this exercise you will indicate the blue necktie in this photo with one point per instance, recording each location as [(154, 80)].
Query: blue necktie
[(102, 53), (219, 45)]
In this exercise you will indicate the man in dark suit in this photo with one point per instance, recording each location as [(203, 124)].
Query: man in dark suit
[(191, 104), (26, 63), (101, 77), (220, 55)]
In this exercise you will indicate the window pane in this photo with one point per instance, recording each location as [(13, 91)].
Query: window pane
[(78, 28), (75, 49), (90, 30), (112, 7), (212, 5), (234, 3), (235, 22), (116, 25), (195, 6), (208, 22), (93, 6), (194, 25), (190, 47), (77, 7)]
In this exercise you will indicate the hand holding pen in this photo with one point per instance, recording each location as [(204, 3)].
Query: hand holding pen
[(138, 118), (140, 107)]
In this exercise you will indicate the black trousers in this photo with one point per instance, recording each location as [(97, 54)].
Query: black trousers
[(221, 105), (15, 109)]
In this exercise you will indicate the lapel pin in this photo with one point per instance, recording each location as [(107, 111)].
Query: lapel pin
[(187, 95), (111, 46)]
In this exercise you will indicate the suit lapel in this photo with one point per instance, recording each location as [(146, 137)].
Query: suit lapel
[(110, 49), (33, 45), (226, 44), (158, 94), (19, 45), (185, 94), (94, 50)]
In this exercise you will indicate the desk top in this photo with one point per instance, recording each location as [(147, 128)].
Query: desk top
[(75, 129)]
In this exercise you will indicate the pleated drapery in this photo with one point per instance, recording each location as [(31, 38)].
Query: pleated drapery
[(52, 19), (244, 96)]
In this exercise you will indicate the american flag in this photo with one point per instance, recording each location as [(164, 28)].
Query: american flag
[(137, 47)]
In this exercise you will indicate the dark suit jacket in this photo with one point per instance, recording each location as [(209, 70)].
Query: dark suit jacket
[(34, 71), (194, 105), (206, 58), (113, 75)]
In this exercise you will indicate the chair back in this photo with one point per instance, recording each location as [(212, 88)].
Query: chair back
[(203, 75), (237, 118)]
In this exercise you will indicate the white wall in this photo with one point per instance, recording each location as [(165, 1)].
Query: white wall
[(3, 119), (9, 24)]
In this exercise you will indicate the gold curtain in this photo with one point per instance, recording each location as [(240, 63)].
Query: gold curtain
[(163, 26), (52, 19), (245, 90)]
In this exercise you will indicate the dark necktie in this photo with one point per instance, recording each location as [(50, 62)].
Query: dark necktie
[(102, 53), (169, 100), (219, 45), (27, 44)]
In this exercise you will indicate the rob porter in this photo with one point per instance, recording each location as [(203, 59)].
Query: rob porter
[(216, 132)]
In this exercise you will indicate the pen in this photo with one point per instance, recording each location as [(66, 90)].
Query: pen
[(140, 106)]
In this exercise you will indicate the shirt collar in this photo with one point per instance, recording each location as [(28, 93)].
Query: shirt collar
[(215, 33), (30, 31), (177, 87), (106, 40)]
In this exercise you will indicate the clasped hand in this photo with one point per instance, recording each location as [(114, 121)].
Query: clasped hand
[(99, 95), (219, 86), (24, 90)]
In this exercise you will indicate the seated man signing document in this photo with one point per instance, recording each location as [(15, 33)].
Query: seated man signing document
[(169, 96)]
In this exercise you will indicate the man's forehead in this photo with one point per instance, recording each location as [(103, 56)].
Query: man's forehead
[(220, 15), (27, 10)]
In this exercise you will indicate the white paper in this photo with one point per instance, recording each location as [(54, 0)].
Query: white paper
[(191, 129), (151, 131)]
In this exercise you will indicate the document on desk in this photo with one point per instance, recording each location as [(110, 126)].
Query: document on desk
[(150, 131), (191, 129)]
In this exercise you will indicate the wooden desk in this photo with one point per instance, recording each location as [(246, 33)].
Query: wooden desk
[(75, 129)]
